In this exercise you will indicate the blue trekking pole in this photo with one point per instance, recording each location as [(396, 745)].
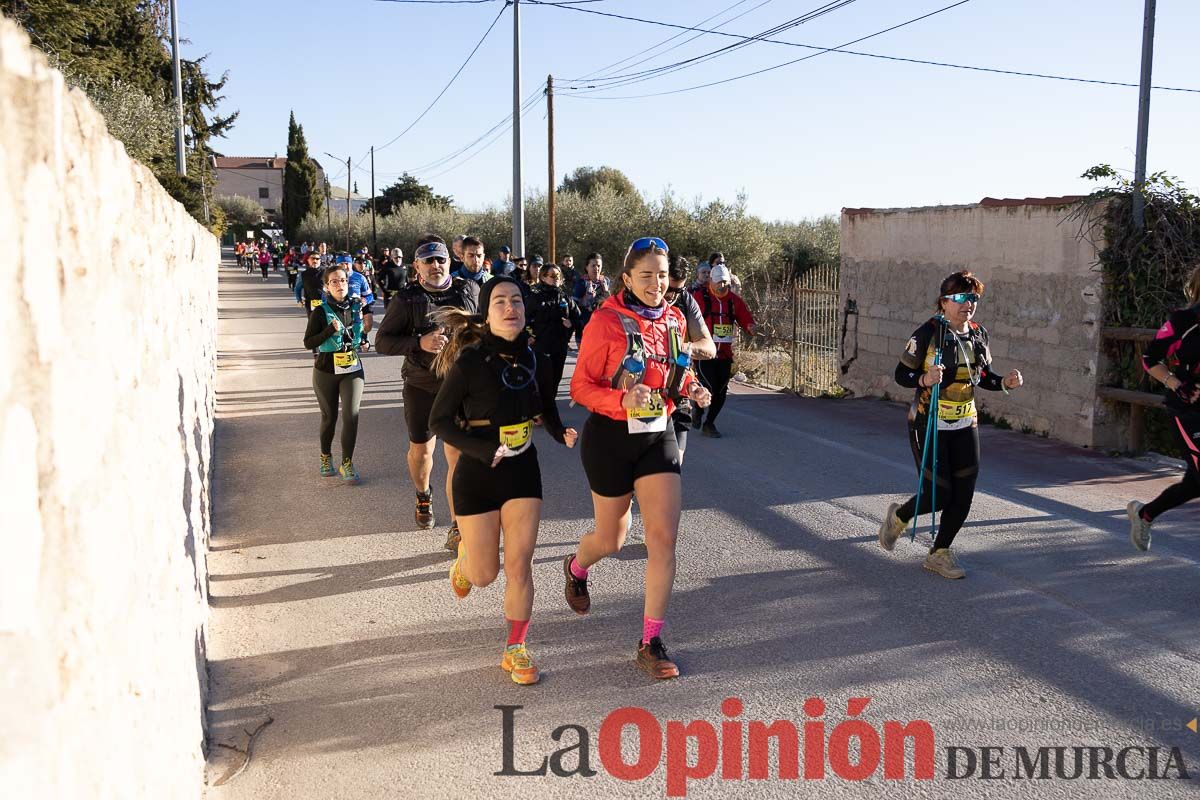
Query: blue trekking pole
[(930, 443)]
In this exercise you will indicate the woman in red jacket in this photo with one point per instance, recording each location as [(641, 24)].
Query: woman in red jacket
[(632, 365)]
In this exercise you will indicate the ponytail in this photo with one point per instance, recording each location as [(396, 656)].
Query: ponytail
[(463, 329)]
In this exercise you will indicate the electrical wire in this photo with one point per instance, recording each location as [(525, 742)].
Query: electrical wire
[(453, 78), (743, 41), (840, 49)]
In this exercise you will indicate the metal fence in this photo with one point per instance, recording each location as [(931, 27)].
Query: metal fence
[(798, 323)]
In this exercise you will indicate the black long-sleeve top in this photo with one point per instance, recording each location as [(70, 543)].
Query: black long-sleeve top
[(548, 307), (407, 321), (473, 390), (1177, 346), (318, 331), (956, 384)]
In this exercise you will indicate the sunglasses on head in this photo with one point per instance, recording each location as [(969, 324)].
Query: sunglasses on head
[(962, 297), (646, 242)]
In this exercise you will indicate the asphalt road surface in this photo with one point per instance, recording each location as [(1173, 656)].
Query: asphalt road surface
[(332, 615)]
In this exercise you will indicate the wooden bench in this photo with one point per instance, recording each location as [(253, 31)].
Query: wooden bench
[(1137, 400)]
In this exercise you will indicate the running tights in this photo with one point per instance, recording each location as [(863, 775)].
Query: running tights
[(957, 469), (330, 388), (1187, 426), (714, 373)]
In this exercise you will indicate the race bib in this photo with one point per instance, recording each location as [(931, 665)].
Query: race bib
[(723, 333), (514, 437), (950, 411), (314, 304), (344, 363), (650, 418)]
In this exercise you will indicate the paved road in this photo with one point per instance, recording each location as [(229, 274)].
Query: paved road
[(332, 615)]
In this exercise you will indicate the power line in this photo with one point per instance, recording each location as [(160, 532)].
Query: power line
[(676, 36), (505, 123), (840, 49), (630, 78), (453, 78), (526, 112)]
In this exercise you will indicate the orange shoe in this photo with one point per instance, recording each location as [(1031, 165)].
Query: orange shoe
[(519, 664), (460, 585)]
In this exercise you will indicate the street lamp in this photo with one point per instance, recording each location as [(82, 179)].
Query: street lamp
[(348, 168)]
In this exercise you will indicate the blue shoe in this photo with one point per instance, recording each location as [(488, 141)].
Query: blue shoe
[(348, 472), (327, 470)]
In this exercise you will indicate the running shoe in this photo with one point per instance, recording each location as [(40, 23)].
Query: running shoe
[(652, 657), (708, 429), (453, 537), (348, 472), (519, 664), (424, 512), (891, 528), (327, 470), (943, 562), (460, 585), (576, 590), (1139, 529)]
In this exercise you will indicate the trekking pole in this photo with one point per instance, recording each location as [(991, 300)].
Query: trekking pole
[(928, 443)]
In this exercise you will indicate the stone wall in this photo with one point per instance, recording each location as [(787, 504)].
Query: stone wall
[(1041, 304), (106, 418)]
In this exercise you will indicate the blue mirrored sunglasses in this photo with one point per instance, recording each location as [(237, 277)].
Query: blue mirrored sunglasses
[(646, 242), (962, 297)]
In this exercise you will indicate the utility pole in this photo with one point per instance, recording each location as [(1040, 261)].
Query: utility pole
[(518, 197), (374, 233), (328, 206), (1143, 127), (180, 160), (552, 193), (348, 168)]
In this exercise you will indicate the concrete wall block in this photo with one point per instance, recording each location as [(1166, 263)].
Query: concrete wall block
[(101, 585), (1040, 305)]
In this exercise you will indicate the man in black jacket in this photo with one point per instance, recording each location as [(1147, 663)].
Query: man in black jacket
[(407, 331)]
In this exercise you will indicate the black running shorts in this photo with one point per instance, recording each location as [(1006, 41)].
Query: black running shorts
[(481, 489), (614, 458), (418, 404)]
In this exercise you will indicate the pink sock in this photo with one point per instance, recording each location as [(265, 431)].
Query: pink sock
[(578, 571), (516, 631), (650, 628)]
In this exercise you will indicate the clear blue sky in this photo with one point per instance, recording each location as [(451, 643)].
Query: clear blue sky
[(833, 131)]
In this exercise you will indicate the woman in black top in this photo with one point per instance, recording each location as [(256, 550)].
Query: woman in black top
[(965, 364), (334, 333), (1173, 359), (552, 316), (486, 408)]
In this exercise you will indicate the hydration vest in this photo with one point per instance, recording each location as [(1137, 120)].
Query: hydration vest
[(336, 343), (633, 363)]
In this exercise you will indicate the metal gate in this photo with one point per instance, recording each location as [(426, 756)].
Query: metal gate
[(815, 331), (798, 325)]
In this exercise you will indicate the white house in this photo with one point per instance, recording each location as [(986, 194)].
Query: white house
[(259, 178)]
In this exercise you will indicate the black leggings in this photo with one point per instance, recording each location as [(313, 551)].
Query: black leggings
[(1187, 426), (714, 373), (264, 268), (549, 381), (291, 280), (329, 388), (957, 469)]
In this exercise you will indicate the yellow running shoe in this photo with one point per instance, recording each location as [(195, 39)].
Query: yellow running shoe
[(460, 585), (519, 664)]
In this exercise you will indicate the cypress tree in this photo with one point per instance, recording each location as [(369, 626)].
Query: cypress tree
[(300, 197)]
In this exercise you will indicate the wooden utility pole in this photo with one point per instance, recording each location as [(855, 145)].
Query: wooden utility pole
[(374, 233), (348, 169), (552, 192)]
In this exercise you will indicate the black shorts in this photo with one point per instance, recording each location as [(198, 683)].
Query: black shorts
[(418, 404), (614, 458), (481, 489)]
